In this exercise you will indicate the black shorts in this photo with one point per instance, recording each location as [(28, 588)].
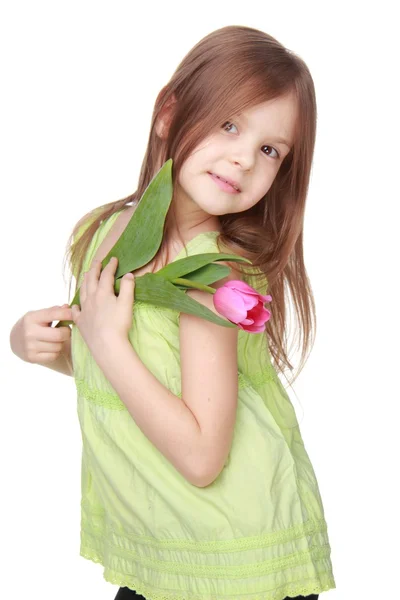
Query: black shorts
[(125, 593)]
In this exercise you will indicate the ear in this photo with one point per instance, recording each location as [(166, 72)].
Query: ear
[(165, 117)]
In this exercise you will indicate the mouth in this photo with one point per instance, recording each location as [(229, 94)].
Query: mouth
[(228, 181)]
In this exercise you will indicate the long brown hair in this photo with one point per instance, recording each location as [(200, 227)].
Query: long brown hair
[(229, 70)]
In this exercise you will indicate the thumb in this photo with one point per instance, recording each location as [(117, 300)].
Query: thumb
[(75, 312), (127, 288)]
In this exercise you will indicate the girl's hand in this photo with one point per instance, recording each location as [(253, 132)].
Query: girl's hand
[(102, 314), (34, 340)]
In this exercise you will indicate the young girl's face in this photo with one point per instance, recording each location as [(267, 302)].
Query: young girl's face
[(247, 151)]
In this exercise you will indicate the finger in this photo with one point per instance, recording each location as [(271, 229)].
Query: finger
[(107, 278), (46, 316), (92, 277), (48, 346), (53, 334), (66, 310), (127, 290)]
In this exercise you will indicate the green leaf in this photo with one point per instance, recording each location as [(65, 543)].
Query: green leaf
[(142, 237), (208, 274), (187, 265)]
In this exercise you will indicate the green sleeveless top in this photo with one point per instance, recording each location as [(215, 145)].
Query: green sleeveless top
[(258, 532)]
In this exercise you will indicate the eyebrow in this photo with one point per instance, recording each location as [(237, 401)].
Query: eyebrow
[(278, 140), (281, 141)]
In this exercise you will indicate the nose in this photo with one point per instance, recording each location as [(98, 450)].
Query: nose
[(243, 157)]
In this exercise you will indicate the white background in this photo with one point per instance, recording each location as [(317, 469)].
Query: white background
[(79, 81)]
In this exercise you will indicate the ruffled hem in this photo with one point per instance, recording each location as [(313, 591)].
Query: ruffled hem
[(312, 586)]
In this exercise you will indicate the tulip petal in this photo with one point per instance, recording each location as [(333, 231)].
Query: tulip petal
[(229, 304), (250, 300), (262, 317), (253, 328), (247, 321), (241, 286)]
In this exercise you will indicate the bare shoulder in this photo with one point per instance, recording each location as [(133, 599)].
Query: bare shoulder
[(122, 220)]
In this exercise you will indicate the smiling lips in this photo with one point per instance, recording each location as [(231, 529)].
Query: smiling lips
[(230, 182)]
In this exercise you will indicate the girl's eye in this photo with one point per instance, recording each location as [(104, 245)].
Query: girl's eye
[(277, 153), (227, 127)]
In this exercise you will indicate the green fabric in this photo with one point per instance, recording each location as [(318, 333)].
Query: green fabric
[(257, 532)]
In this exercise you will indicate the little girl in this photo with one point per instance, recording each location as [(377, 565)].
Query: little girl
[(196, 484)]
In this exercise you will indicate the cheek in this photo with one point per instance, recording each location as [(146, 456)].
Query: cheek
[(265, 182), (188, 167), (184, 176), (257, 195), (192, 168)]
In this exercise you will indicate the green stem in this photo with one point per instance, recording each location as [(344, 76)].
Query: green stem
[(193, 284)]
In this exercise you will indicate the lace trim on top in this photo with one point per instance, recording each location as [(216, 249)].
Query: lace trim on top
[(124, 548), (312, 586)]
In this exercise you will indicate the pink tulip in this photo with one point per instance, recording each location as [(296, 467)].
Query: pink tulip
[(242, 305)]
